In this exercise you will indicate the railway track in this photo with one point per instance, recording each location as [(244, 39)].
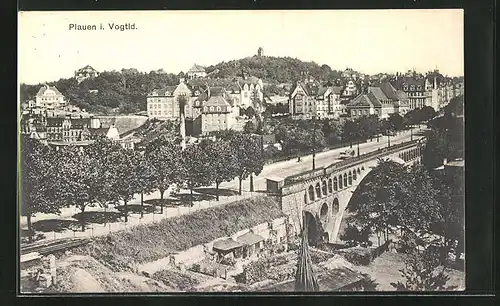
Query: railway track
[(50, 247)]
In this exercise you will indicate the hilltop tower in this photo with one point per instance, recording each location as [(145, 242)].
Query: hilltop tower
[(260, 51)]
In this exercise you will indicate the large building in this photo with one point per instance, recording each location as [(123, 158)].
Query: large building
[(217, 110), (49, 97), (165, 103), (414, 89), (86, 72), (308, 99), (196, 71), (381, 101)]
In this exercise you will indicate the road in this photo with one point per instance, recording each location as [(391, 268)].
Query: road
[(292, 167)]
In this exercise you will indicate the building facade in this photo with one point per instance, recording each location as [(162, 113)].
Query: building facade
[(86, 72), (196, 71), (382, 101), (415, 89), (49, 97)]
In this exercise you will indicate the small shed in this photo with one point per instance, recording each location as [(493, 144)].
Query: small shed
[(227, 247), (251, 243)]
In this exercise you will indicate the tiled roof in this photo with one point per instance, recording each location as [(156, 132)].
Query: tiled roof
[(361, 100), (378, 94), (80, 122), (389, 90), (226, 244), (374, 100), (401, 81), (249, 238), (98, 131), (197, 68), (337, 90), (162, 91), (216, 101), (42, 90), (322, 90)]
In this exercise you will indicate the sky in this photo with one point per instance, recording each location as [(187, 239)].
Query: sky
[(369, 41)]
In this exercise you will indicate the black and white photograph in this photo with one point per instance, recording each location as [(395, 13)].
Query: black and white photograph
[(241, 151)]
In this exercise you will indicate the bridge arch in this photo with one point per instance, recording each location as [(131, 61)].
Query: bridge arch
[(350, 178), (330, 186), (312, 228), (345, 180), (323, 214), (335, 186), (318, 190), (340, 182), (325, 191), (335, 206)]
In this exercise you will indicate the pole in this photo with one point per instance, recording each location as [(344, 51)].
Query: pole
[(358, 148), (411, 133), (388, 140)]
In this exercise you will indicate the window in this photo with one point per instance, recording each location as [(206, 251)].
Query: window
[(218, 108), (211, 108), (311, 193)]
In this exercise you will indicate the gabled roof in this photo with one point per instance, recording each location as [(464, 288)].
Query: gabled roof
[(401, 81), (163, 91), (374, 100), (378, 94), (44, 88), (216, 101), (389, 90), (99, 131), (197, 68), (322, 90), (361, 100), (337, 90)]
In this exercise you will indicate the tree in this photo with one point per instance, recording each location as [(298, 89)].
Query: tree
[(195, 172), (378, 202), (39, 183), (250, 112), (350, 131), (87, 177), (248, 153), (146, 177), (221, 162), (427, 113), (423, 272), (123, 175), (249, 127), (396, 122), (165, 159)]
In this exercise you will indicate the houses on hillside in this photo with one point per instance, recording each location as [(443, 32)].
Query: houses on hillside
[(208, 104), (49, 97), (196, 71), (84, 73)]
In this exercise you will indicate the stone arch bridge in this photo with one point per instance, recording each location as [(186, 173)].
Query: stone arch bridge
[(324, 193)]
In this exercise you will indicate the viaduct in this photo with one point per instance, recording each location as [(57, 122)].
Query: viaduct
[(323, 194)]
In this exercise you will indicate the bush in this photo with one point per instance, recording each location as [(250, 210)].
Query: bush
[(358, 256), (196, 268)]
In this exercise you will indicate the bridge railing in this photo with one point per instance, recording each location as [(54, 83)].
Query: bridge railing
[(347, 163)]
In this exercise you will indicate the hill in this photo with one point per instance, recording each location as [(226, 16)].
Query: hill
[(274, 69), (112, 92)]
